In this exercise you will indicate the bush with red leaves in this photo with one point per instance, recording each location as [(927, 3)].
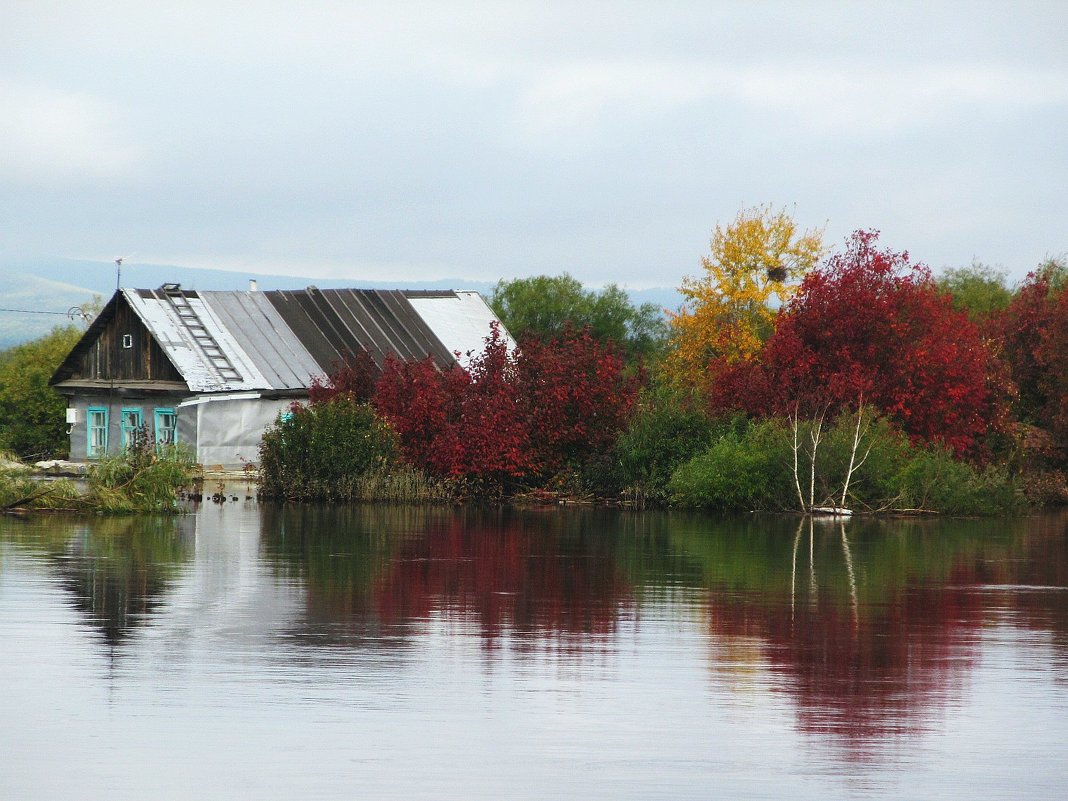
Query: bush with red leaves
[(1033, 334), (509, 415), (353, 377)]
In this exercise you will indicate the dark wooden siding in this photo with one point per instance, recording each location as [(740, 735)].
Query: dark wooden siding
[(105, 358)]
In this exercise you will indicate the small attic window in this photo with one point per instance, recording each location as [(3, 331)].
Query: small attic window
[(127, 340)]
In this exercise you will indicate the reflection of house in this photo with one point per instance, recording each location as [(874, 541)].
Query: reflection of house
[(214, 369)]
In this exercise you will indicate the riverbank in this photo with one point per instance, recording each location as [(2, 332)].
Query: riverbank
[(141, 480)]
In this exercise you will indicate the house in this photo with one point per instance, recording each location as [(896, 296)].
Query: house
[(215, 369)]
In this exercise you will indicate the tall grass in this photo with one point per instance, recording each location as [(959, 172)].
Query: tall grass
[(143, 479), (401, 484), (19, 491)]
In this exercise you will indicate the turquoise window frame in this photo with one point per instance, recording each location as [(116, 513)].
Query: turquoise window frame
[(96, 451), (125, 429), (157, 428)]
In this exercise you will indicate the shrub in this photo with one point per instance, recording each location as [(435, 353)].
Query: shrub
[(577, 396), (663, 433), (353, 376), (737, 472), (323, 451), (511, 416), (932, 479), (754, 469), (143, 479)]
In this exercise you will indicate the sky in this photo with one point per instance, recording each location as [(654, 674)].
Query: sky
[(483, 140)]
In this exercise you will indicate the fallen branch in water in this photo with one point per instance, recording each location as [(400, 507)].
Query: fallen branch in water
[(33, 496)]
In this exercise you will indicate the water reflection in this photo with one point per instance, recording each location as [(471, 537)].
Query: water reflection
[(871, 628), (373, 572), (117, 572), (869, 633)]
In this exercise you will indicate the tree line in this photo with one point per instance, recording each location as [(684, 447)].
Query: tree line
[(793, 376)]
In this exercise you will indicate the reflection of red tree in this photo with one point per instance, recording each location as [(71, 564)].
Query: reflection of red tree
[(885, 671), (517, 578)]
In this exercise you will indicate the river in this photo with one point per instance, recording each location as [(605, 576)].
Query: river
[(245, 650)]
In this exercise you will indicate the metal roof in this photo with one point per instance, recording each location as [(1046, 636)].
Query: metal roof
[(280, 340), (264, 336), (186, 350), (335, 323), (409, 324), (461, 320)]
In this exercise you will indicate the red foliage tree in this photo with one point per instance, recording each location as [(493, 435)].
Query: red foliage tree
[(419, 400), (354, 376), (1030, 333), (577, 395), (871, 326), (509, 415), (1052, 357)]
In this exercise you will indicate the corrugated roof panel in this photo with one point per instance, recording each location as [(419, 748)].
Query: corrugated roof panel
[(251, 377), (365, 325), (333, 322), (263, 334), (413, 337), (279, 340), (175, 341), (460, 320), (161, 318), (299, 314)]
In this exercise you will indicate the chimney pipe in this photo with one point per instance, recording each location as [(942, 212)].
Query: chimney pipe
[(252, 285)]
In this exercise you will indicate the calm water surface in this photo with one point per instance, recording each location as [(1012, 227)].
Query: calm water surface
[(248, 651)]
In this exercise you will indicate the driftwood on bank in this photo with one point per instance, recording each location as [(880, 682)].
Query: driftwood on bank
[(15, 505)]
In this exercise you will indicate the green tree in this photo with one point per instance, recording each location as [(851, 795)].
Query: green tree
[(32, 418), (979, 290), (544, 306)]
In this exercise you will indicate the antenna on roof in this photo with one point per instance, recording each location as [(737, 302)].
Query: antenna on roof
[(118, 269)]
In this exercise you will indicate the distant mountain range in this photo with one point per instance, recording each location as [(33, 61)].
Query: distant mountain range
[(37, 295)]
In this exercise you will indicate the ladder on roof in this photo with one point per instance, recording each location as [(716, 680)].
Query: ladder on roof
[(196, 328)]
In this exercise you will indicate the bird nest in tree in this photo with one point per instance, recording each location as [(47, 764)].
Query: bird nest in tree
[(777, 274)]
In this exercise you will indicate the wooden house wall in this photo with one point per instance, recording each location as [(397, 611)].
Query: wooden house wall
[(106, 358)]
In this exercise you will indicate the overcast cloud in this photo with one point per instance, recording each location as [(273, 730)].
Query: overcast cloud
[(485, 140)]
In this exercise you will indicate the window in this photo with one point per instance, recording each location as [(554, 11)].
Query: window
[(127, 340), (97, 432), (166, 426), (131, 426)]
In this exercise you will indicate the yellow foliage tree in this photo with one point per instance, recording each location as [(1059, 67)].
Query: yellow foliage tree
[(729, 311)]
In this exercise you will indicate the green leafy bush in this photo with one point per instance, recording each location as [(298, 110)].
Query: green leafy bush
[(881, 452), (753, 468), (325, 451), (663, 433), (737, 472), (932, 479)]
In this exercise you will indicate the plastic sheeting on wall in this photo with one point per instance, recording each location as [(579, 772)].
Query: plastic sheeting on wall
[(229, 431)]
